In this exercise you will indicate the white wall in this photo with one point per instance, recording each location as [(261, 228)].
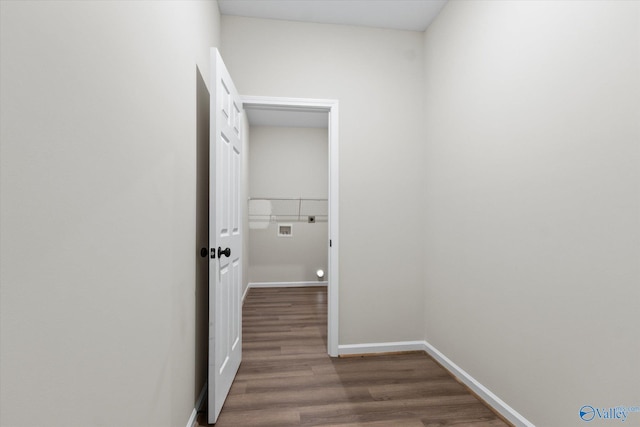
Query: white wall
[(533, 201), (288, 162), (98, 210), (377, 76)]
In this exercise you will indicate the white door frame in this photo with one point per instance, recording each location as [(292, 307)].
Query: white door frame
[(330, 106)]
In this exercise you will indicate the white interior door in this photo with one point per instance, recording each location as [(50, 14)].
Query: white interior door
[(225, 239)]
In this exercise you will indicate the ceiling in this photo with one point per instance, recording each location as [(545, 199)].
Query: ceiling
[(410, 15), (413, 15)]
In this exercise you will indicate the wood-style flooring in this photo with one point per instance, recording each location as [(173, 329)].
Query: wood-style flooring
[(287, 379)]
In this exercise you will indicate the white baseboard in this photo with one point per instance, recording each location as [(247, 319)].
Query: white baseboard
[(199, 403), (484, 393), (246, 291), (383, 347), (284, 284)]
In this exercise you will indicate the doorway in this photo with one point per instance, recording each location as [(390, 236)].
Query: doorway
[(311, 109)]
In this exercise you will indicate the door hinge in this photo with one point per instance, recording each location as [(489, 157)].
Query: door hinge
[(329, 242)]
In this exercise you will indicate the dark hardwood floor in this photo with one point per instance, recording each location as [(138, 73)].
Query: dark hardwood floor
[(287, 378)]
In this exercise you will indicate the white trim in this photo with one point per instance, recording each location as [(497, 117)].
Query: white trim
[(192, 418), (484, 393), (331, 106), (198, 407), (334, 233), (382, 347), (292, 104), (246, 291), (284, 284)]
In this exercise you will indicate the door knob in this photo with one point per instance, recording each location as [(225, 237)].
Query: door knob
[(226, 252), (203, 252)]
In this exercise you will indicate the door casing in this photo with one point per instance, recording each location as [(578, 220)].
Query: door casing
[(331, 107)]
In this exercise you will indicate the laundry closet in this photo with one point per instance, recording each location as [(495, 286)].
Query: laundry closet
[(287, 204)]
